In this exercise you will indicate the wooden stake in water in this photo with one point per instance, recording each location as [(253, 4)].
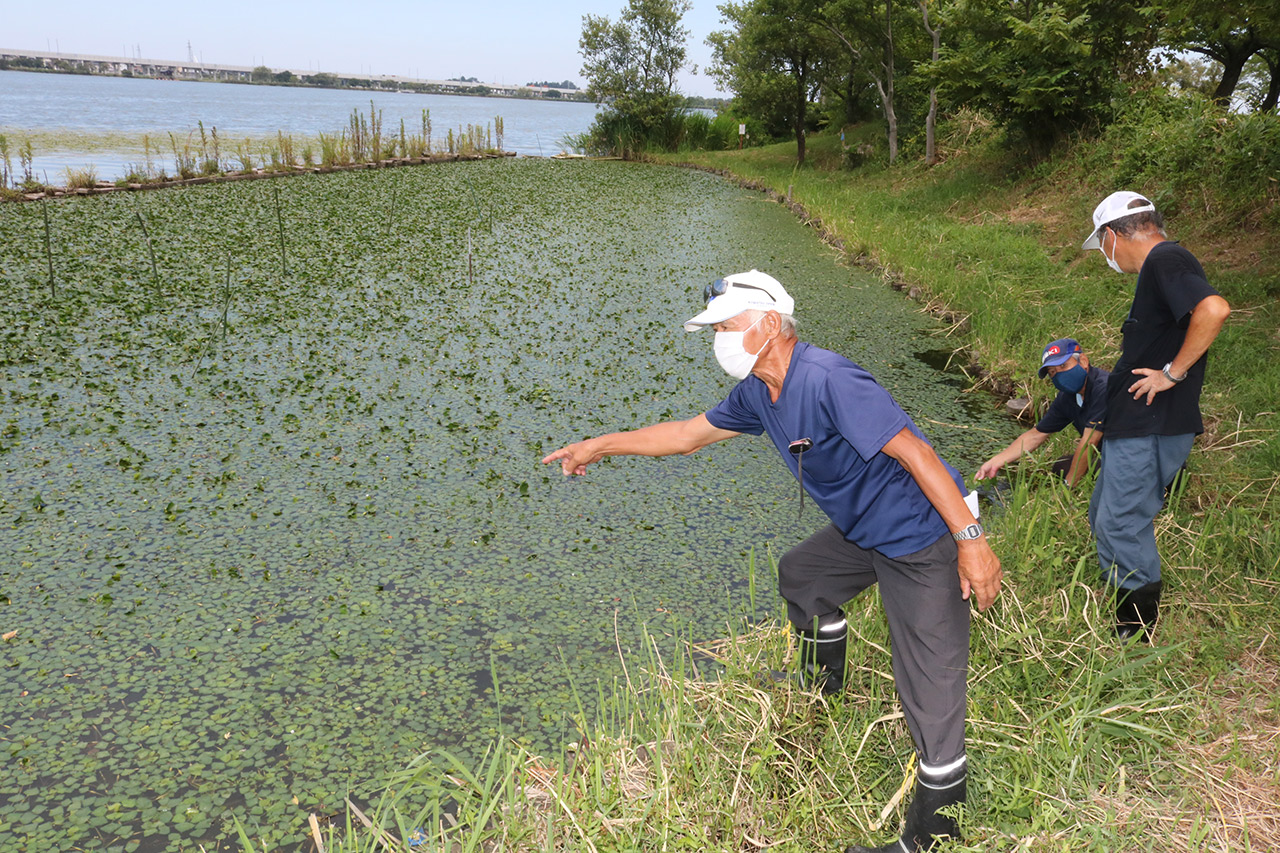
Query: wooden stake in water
[(226, 299), (226, 306), (471, 279), (48, 247), (284, 261), (155, 274)]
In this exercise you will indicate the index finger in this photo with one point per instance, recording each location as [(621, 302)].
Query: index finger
[(554, 455)]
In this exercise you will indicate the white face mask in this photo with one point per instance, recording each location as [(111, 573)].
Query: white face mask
[(733, 356), (1111, 258)]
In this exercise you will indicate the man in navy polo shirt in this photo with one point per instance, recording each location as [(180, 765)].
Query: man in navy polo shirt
[(899, 518), (1081, 402), (1153, 398)]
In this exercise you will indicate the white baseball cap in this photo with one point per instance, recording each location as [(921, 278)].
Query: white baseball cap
[(1113, 207), (729, 296)]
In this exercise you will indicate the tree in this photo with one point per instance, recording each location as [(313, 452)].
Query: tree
[(771, 60), (261, 74), (931, 119), (866, 31), (1043, 67), (1268, 83), (1228, 31), (631, 65)]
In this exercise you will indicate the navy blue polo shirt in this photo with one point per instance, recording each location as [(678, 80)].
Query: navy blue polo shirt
[(1065, 410), (838, 405)]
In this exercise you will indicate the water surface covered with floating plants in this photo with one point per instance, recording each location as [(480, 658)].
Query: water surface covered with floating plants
[(272, 518)]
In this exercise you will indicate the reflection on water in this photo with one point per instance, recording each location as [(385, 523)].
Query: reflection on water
[(32, 101)]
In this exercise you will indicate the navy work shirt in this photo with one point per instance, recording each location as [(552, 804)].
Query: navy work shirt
[(867, 494), (1065, 410)]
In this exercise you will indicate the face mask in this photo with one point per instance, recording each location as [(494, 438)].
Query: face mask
[(1111, 259), (1071, 380), (733, 356)]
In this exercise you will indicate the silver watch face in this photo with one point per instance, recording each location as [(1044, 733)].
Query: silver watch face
[(973, 531)]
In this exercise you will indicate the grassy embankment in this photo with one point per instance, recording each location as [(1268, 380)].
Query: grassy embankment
[(1076, 744)]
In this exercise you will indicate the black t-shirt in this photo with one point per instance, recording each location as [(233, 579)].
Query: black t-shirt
[(1170, 285), (1065, 410)]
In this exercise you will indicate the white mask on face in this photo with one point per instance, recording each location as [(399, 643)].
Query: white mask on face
[(733, 356), (1111, 258)]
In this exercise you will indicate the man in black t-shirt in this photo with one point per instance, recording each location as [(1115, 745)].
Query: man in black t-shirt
[(1081, 402), (1153, 398)]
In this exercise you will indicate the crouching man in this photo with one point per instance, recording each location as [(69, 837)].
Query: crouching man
[(898, 512)]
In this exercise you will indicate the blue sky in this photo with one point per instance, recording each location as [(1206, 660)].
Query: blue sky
[(500, 41)]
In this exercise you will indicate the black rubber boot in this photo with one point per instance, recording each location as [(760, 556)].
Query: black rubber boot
[(822, 654), (924, 826), (1137, 611)]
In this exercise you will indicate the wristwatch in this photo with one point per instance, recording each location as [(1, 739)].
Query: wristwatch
[(1168, 374), (973, 531)]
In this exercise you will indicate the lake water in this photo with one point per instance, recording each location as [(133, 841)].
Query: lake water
[(98, 121)]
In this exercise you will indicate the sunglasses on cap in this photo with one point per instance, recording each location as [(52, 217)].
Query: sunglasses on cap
[(720, 286)]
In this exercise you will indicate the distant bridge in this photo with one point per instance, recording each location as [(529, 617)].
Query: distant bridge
[(170, 69)]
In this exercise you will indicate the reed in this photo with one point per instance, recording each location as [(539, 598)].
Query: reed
[(26, 158), (244, 154), (375, 133), (285, 143), (6, 164), (148, 163), (209, 163), (184, 161), (328, 150), (85, 178)]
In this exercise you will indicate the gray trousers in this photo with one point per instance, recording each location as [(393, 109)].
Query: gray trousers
[(1127, 495), (928, 624)]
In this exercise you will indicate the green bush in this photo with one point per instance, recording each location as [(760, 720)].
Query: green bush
[(723, 133), (1186, 151), (694, 130)]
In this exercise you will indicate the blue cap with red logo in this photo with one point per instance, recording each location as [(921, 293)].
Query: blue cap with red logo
[(1058, 352)]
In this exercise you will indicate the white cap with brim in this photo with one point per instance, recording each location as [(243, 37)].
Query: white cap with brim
[(743, 292), (1113, 207)]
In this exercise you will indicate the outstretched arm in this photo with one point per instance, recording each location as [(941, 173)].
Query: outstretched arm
[(664, 439), (1025, 443), (980, 571)]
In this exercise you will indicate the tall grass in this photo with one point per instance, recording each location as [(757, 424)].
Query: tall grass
[(1075, 742)]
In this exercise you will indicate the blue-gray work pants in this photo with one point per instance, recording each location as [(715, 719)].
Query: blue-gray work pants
[(928, 624), (1128, 494)]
